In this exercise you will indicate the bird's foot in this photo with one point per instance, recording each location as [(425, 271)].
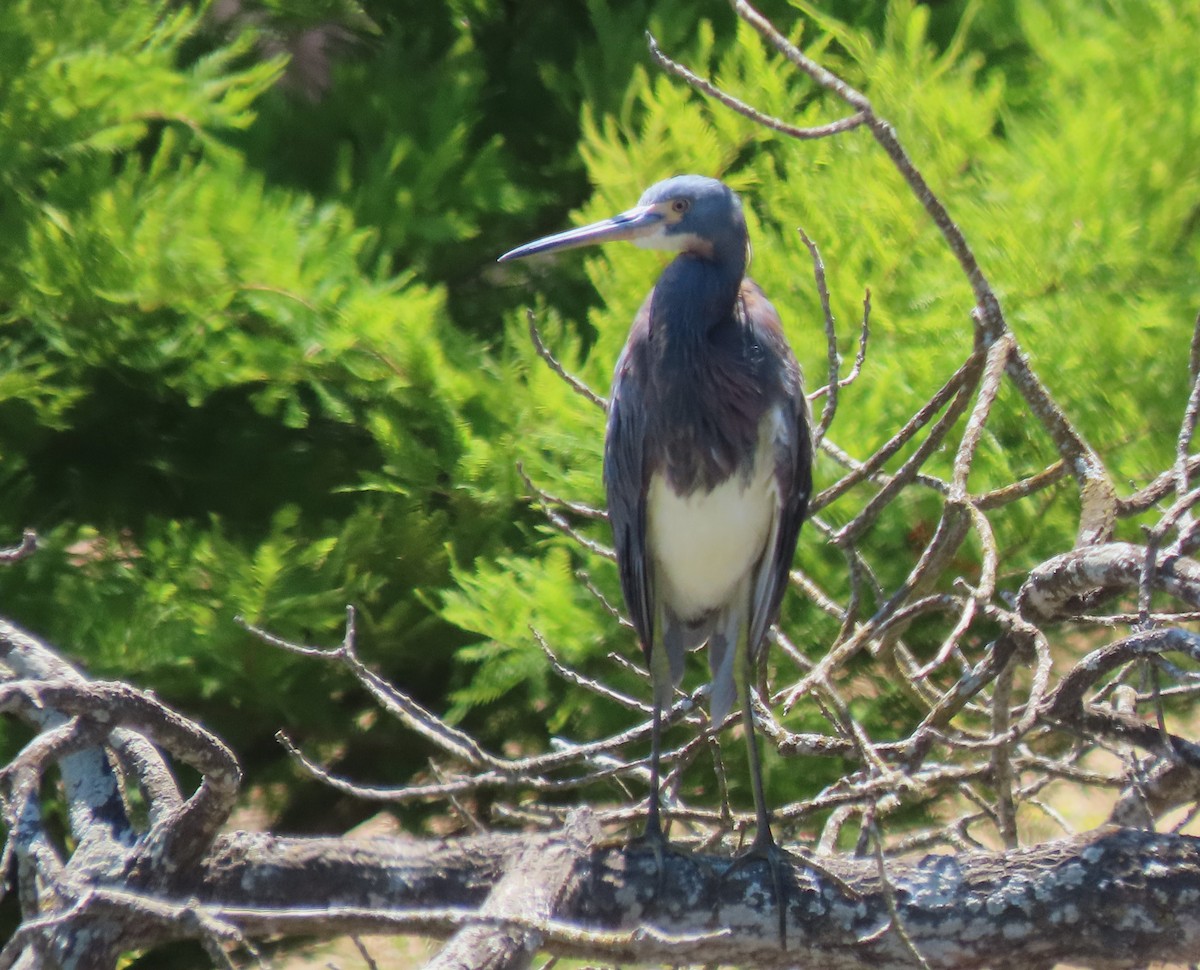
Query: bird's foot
[(654, 840), (764, 848)]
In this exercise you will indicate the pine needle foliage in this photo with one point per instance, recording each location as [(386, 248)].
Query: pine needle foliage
[(217, 397), (257, 358), (1066, 151)]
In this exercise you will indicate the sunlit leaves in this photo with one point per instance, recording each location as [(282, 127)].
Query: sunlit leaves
[(1070, 169)]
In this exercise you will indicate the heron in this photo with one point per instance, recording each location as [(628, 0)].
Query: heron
[(707, 461)]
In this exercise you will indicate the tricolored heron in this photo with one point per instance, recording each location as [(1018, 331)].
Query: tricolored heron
[(707, 458)]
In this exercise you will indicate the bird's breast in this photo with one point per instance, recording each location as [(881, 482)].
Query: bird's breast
[(703, 543)]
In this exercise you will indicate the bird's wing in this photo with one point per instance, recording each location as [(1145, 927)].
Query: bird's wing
[(626, 481), (793, 468)]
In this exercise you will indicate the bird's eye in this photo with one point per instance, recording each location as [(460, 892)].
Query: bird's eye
[(680, 206)]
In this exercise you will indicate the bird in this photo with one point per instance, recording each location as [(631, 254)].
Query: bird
[(707, 461)]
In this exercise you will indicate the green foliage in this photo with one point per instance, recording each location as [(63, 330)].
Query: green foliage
[(70, 108), (257, 358), (1072, 169), (216, 399), (1089, 219)]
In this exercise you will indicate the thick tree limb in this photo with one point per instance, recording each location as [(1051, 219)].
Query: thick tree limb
[(1114, 898), (1065, 584), (543, 875)]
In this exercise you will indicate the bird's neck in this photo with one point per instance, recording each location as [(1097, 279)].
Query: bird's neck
[(696, 356), (693, 296)]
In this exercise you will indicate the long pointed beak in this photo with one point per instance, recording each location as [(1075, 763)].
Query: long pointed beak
[(634, 224)]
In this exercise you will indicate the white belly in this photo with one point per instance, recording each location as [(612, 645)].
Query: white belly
[(702, 545)]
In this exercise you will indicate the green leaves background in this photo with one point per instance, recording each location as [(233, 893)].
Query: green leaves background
[(257, 360)]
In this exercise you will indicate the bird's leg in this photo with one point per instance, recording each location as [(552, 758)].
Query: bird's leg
[(764, 845), (653, 837), (662, 685), (653, 833)]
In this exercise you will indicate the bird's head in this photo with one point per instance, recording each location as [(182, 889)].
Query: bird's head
[(686, 214)]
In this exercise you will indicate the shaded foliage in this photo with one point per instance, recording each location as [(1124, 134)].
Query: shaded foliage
[(257, 360)]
